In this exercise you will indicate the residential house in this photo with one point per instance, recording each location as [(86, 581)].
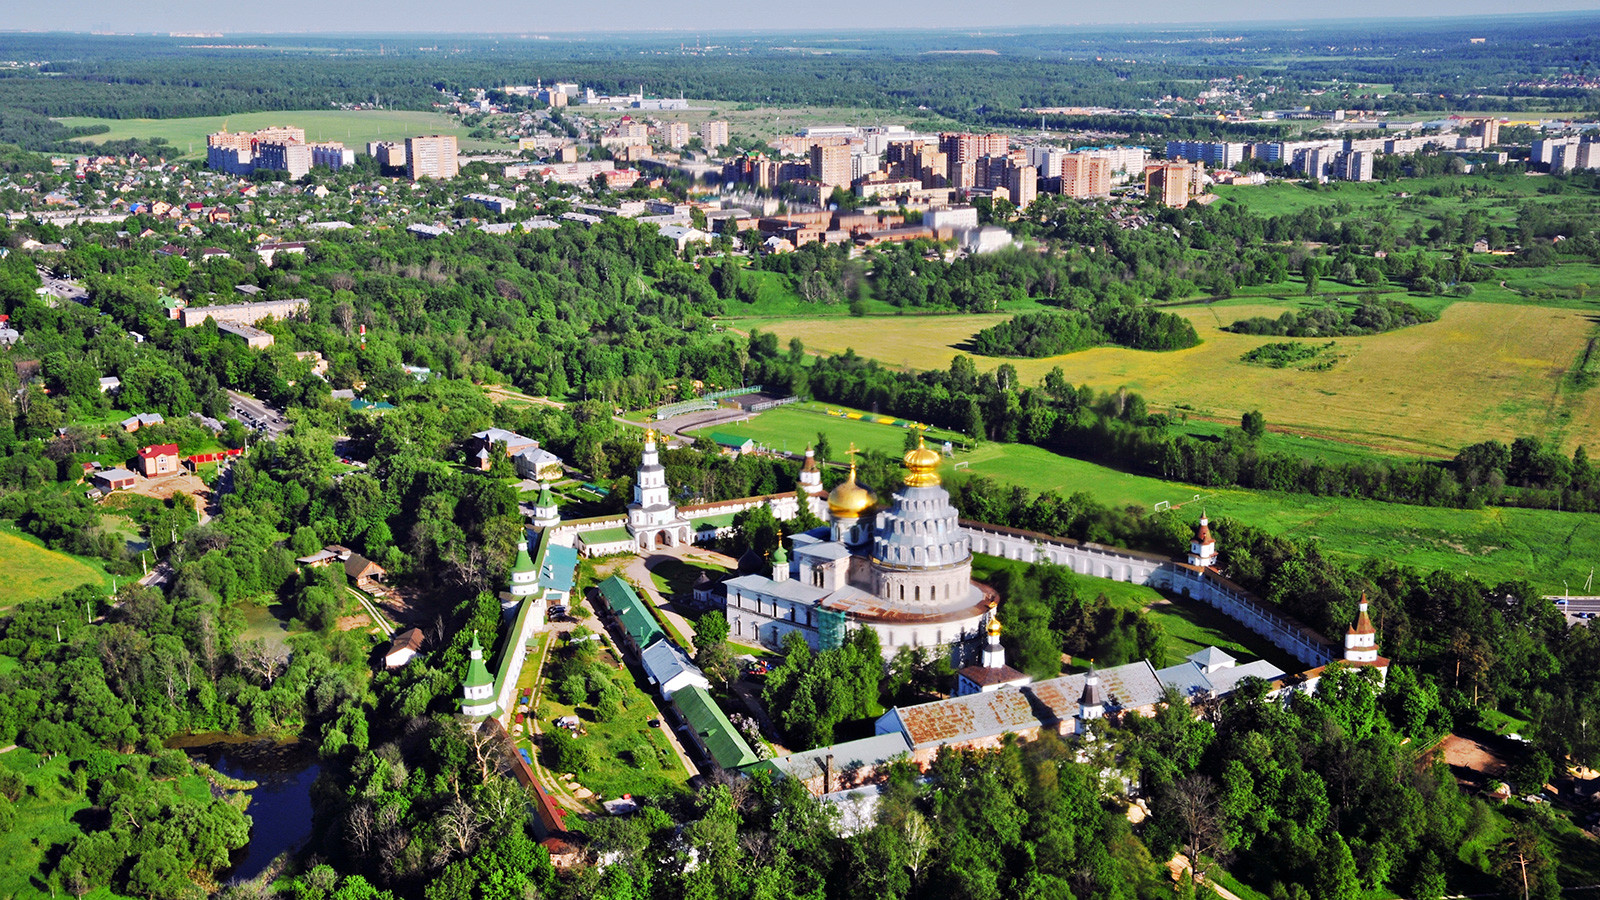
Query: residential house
[(158, 459), (367, 574), (402, 648)]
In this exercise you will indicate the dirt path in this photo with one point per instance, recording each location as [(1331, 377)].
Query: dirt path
[(1180, 864)]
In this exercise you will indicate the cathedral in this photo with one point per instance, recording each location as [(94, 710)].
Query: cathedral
[(903, 569)]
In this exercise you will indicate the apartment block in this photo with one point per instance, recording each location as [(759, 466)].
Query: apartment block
[(830, 165), (1352, 165), (1217, 154), (1170, 182), (283, 157), (1085, 175), (677, 134), (389, 154), (713, 135), (432, 156), (333, 155)]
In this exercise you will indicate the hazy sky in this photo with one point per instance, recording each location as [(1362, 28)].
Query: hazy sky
[(513, 17)]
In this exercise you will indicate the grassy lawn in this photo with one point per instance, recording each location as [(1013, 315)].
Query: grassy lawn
[(794, 427), (34, 571), (1484, 370), (675, 578), (1189, 626), (352, 127), (616, 773)]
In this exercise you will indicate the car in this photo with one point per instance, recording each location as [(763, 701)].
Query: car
[(1562, 602), (655, 723)]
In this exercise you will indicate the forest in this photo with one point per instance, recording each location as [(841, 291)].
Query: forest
[(1052, 334)]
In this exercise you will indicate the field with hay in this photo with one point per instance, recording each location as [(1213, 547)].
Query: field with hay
[(34, 571), (1484, 370)]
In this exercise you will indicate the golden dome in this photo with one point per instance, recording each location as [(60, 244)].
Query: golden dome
[(994, 626), (923, 465), (849, 500)]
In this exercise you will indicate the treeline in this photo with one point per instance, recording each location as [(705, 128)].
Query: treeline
[(1052, 334), (1371, 315), (1116, 429)]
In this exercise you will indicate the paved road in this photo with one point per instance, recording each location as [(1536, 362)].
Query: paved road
[(257, 414), (63, 288), (1577, 607)]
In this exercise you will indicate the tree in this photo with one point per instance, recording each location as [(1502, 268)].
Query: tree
[(711, 651), (1254, 424)]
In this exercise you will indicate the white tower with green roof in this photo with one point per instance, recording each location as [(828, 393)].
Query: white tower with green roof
[(545, 513), (477, 693), (524, 574)]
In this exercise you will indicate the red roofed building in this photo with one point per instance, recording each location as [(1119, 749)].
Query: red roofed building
[(158, 459)]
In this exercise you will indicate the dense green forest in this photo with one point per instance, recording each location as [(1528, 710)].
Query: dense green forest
[(1052, 334)]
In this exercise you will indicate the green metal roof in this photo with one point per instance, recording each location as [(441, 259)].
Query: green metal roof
[(729, 440), (545, 497), (477, 673), (524, 562), (722, 740), (636, 618)]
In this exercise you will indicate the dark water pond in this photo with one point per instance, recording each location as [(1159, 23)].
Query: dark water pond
[(280, 805)]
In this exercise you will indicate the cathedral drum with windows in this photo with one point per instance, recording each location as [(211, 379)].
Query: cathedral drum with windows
[(904, 570)]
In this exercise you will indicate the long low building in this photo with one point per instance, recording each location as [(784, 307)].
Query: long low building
[(242, 313)]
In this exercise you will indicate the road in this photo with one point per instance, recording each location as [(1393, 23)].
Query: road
[(257, 414), (63, 288), (1577, 607)]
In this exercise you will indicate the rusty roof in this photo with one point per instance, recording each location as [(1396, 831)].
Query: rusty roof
[(967, 718)]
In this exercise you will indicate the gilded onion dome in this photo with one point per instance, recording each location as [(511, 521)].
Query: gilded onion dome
[(850, 500), (923, 465)]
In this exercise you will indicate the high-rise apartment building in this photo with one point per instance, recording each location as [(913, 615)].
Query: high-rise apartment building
[(830, 165), (960, 148), (1170, 182), (677, 134), (433, 156), (1352, 165), (1488, 129), (333, 155), (713, 135), (283, 156), (1085, 175), (238, 153)]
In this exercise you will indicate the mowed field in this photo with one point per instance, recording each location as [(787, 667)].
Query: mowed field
[(793, 428), (1484, 370), (33, 571), (353, 127), (1543, 547)]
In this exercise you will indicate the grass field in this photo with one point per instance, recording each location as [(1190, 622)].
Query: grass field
[(34, 571), (1545, 547), (1484, 370), (794, 427), (1495, 196), (353, 127)]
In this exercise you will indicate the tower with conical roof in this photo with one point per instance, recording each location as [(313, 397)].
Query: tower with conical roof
[(811, 476), (524, 574), (545, 511), (1203, 549), (477, 692), (1361, 641), (1092, 702)]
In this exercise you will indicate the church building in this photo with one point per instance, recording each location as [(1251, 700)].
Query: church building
[(903, 569), (653, 519)]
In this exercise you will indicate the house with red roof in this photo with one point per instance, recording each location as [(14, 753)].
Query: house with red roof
[(158, 459)]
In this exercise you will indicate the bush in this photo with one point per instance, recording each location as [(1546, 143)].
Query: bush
[(573, 690)]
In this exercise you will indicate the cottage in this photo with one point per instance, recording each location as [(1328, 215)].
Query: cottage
[(367, 574), (139, 420), (158, 459), (402, 648), (669, 669)]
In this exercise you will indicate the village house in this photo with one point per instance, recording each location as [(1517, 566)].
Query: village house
[(367, 575), (403, 648), (158, 459)]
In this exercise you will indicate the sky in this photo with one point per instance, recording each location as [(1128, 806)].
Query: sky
[(524, 17)]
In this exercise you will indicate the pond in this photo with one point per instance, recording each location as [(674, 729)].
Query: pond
[(280, 804)]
